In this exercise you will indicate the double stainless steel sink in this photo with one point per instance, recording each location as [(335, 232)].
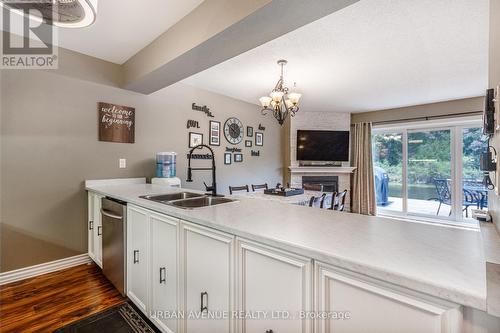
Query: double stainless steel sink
[(187, 200)]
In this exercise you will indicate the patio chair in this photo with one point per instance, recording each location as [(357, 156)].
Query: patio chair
[(470, 199), (443, 193), (444, 197)]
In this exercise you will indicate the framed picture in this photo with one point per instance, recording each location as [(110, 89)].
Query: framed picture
[(249, 131), (195, 139), (227, 158), (238, 158), (248, 143), (214, 135), (259, 139), (116, 123)]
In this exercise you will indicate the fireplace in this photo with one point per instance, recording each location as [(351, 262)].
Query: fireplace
[(327, 183)]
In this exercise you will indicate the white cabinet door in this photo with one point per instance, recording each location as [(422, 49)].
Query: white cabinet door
[(208, 258), (374, 306), (94, 228), (137, 256), (274, 285), (164, 279), (90, 226), (97, 229)]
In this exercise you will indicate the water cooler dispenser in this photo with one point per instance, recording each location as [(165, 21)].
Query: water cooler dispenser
[(166, 170)]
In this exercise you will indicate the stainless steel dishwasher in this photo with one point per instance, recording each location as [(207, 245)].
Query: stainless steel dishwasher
[(114, 232)]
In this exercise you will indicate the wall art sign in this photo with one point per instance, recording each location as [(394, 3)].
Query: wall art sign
[(255, 152), (192, 123), (116, 123), (248, 143), (261, 128), (227, 158), (195, 139), (259, 139), (206, 156), (238, 158), (249, 131), (214, 133), (203, 109), (233, 150)]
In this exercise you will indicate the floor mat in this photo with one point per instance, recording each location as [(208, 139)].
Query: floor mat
[(120, 319)]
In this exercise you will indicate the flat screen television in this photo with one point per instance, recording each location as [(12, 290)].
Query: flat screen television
[(331, 146)]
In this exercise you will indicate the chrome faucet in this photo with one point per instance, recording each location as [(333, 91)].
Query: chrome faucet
[(212, 188)]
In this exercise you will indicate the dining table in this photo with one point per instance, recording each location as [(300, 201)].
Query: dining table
[(299, 199)]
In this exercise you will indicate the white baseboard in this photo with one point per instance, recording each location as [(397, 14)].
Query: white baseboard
[(52, 266)]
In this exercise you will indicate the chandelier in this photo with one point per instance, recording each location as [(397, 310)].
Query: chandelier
[(280, 102)]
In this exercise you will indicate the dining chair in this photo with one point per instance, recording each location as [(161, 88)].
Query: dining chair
[(340, 201), (238, 189), (329, 201), (316, 201), (259, 186)]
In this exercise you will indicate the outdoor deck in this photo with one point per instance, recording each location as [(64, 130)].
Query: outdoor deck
[(420, 207)]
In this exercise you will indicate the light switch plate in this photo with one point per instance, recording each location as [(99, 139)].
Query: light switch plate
[(123, 163)]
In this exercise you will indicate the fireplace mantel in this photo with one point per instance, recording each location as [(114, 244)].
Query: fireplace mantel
[(319, 169)]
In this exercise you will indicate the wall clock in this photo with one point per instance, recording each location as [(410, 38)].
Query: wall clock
[(233, 130)]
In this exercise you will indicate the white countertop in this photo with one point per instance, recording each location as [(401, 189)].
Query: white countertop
[(444, 262)]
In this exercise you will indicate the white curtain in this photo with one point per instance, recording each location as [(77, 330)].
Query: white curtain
[(363, 184)]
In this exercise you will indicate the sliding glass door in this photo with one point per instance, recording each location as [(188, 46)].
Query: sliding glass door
[(429, 179), (388, 170), (430, 172)]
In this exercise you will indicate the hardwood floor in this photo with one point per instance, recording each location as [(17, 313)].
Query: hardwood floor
[(47, 302)]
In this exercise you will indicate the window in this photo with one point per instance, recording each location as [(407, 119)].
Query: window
[(429, 171)]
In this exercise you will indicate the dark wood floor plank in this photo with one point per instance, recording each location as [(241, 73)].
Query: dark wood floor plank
[(47, 302)]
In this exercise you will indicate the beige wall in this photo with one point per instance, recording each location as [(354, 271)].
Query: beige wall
[(466, 105), (494, 80), (49, 147)]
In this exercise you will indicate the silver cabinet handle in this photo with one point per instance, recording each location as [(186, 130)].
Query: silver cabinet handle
[(204, 301), (136, 256), (163, 275), (91, 225), (113, 216), (99, 230)]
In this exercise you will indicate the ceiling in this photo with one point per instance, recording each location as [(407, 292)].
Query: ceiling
[(124, 27), (373, 55)]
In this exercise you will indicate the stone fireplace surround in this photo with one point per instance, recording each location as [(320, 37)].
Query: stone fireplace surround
[(312, 120)]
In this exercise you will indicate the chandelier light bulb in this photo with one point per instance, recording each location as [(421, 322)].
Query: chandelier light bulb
[(265, 101), (294, 97), (277, 95)]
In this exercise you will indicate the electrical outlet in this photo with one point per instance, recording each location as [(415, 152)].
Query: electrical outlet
[(123, 163)]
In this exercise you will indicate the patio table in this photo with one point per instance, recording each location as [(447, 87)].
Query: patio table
[(481, 193)]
